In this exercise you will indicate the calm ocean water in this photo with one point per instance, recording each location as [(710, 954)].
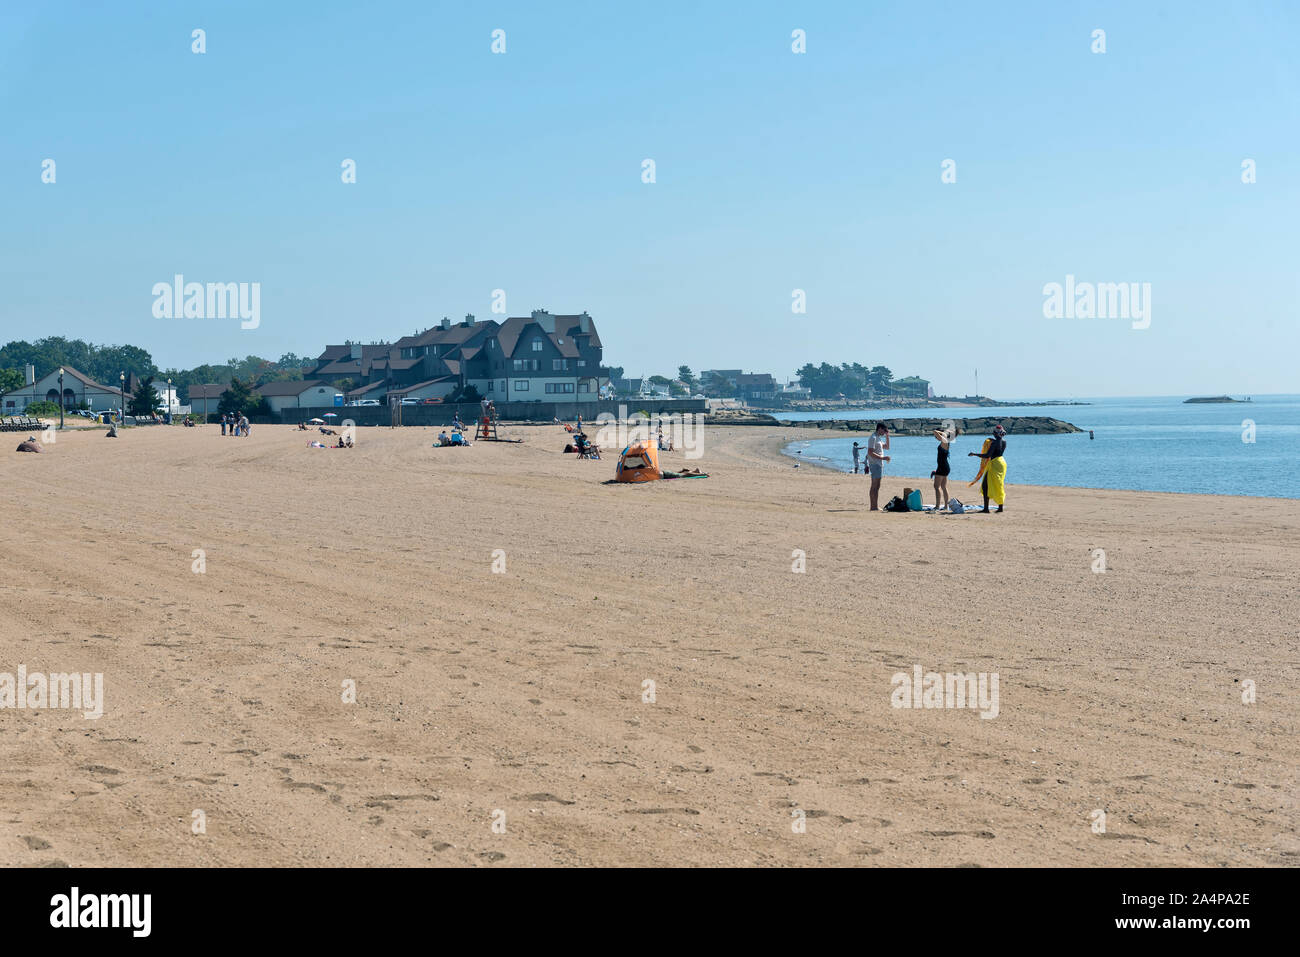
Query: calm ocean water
[(1150, 444)]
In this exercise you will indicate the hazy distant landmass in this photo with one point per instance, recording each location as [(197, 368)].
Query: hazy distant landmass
[(1214, 398)]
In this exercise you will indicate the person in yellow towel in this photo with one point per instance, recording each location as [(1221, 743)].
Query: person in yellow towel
[(993, 468)]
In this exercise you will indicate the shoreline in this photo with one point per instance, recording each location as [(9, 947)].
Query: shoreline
[(777, 448)]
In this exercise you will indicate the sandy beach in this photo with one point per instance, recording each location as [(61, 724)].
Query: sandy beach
[(522, 691)]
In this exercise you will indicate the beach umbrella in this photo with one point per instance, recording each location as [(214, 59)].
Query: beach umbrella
[(315, 421), (331, 415)]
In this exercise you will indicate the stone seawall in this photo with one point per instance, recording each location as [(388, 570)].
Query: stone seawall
[(1015, 425)]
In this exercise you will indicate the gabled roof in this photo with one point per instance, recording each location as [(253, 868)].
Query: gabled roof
[(289, 387), (438, 336), (208, 390), (564, 339)]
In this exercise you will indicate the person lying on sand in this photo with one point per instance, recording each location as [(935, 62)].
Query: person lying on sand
[(30, 445)]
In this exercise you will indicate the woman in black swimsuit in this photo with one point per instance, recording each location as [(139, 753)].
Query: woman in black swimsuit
[(940, 474)]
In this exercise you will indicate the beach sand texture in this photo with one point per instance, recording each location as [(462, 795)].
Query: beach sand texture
[(522, 691)]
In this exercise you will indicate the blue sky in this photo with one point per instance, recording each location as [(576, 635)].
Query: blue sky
[(775, 172)]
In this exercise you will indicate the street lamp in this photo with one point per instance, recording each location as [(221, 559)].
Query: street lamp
[(122, 377), (169, 396), (61, 403)]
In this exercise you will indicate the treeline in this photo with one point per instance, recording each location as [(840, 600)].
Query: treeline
[(856, 381), (105, 364)]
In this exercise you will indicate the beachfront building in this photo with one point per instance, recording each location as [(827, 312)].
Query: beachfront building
[(542, 358), (297, 394), (206, 397), (756, 386), (538, 358), (78, 391)]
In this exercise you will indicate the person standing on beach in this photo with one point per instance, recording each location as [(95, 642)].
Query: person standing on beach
[(223, 425), (877, 445), (995, 475), (857, 450), (940, 474)]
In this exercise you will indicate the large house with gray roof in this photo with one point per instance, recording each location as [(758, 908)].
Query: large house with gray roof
[(540, 357)]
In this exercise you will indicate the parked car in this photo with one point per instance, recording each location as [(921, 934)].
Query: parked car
[(410, 401), (432, 402)]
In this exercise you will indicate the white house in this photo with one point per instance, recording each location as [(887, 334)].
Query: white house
[(297, 394), (77, 390)]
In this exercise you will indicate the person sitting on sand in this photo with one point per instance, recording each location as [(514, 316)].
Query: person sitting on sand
[(112, 431), (877, 445), (995, 473), (444, 438), (31, 445), (302, 426), (940, 474)]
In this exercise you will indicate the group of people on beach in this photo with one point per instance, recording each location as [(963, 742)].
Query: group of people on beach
[(234, 424), (992, 473)]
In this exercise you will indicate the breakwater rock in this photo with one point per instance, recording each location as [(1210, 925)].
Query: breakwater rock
[(1015, 425)]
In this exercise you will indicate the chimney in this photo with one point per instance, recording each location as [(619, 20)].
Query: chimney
[(469, 319), (584, 323), (445, 324), (30, 374), (356, 350), (545, 320)]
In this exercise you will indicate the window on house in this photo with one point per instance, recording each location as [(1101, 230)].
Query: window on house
[(521, 385), (584, 386), (491, 383), (559, 365), (537, 345), (582, 363)]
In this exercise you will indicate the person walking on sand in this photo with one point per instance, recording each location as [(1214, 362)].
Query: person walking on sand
[(940, 474), (223, 425), (857, 451), (994, 468), (877, 445)]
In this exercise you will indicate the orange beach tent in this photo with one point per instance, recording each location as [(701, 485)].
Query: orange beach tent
[(638, 463)]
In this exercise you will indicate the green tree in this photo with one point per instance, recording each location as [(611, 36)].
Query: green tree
[(467, 393), (10, 379), (240, 397), (687, 377), (145, 400)]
